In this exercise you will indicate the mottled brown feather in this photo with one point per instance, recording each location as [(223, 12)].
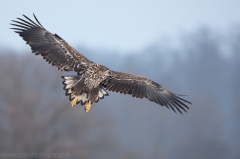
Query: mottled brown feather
[(140, 86)]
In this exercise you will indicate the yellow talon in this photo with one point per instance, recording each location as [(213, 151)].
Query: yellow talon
[(74, 101), (88, 106)]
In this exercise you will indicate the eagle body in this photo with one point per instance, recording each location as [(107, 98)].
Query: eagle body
[(85, 87), (92, 79), (95, 74)]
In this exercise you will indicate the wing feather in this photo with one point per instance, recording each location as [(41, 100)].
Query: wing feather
[(140, 86), (135, 90), (52, 47), (139, 91), (126, 88)]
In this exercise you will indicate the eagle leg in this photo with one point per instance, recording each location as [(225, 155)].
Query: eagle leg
[(88, 106), (74, 101)]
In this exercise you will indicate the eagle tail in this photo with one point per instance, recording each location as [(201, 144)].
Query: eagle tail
[(75, 89)]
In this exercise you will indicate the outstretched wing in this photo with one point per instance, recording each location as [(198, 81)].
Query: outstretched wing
[(52, 47), (140, 87)]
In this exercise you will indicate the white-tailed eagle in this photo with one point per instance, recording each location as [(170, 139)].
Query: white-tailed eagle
[(92, 79)]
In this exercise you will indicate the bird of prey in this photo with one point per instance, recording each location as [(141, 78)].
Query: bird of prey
[(92, 79)]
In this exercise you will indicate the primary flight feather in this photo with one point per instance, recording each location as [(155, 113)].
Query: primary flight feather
[(92, 79)]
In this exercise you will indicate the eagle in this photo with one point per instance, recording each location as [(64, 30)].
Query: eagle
[(92, 79)]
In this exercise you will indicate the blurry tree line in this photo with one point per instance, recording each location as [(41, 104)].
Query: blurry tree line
[(35, 115)]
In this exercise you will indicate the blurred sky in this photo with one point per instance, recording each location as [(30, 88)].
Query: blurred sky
[(124, 26)]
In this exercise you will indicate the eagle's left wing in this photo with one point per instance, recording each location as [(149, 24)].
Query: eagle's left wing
[(52, 47), (140, 86)]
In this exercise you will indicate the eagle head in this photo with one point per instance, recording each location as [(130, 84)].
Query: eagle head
[(103, 70)]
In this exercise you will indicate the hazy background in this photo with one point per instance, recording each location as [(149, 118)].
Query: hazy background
[(189, 48)]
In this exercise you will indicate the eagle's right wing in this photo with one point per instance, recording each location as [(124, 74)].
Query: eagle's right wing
[(140, 87), (52, 47)]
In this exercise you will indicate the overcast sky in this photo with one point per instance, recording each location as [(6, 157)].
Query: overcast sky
[(126, 25)]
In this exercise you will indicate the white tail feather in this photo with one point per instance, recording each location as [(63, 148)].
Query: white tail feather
[(69, 81), (84, 98), (100, 94), (69, 91), (103, 91), (68, 77), (68, 86), (80, 97)]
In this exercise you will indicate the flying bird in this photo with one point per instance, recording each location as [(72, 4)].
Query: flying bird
[(92, 79)]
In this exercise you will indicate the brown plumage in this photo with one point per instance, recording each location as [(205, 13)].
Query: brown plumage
[(88, 85)]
